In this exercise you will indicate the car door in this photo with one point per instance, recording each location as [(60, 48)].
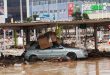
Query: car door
[(58, 52), (43, 53)]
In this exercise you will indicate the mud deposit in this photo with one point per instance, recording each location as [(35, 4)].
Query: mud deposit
[(97, 66)]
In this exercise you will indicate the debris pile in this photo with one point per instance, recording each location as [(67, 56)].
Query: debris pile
[(48, 40)]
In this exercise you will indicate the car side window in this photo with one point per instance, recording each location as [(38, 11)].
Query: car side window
[(57, 47), (37, 47)]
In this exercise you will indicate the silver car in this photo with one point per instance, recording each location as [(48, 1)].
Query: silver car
[(34, 53)]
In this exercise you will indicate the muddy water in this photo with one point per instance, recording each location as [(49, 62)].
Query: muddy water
[(81, 67)]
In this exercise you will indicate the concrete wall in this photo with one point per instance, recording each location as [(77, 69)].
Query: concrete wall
[(99, 15)]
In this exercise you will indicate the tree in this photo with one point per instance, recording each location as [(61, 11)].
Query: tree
[(85, 16), (29, 19), (35, 16), (77, 16)]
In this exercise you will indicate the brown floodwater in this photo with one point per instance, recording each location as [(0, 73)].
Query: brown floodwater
[(97, 66)]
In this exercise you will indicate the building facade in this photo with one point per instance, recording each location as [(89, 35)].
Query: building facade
[(3, 10), (13, 7), (51, 9), (63, 9)]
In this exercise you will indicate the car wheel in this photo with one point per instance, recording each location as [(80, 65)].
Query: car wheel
[(72, 56), (33, 58)]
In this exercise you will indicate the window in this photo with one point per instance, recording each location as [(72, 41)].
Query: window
[(65, 0), (33, 12), (35, 3), (49, 1), (37, 47), (41, 11), (36, 12), (45, 11), (51, 11), (42, 2), (64, 10), (46, 2), (59, 1), (52, 1), (60, 10), (55, 10), (71, 0)]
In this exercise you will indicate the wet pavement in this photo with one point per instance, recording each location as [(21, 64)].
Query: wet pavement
[(96, 66)]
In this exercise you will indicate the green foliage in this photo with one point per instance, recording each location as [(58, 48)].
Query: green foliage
[(83, 26), (85, 16), (58, 31), (15, 38), (35, 16), (29, 19), (77, 16)]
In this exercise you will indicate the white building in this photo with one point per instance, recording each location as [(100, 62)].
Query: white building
[(62, 9), (3, 10)]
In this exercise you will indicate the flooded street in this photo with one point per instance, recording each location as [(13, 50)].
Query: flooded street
[(97, 66)]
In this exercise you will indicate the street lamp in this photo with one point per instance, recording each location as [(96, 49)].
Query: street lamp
[(32, 9), (21, 14), (56, 10), (21, 11)]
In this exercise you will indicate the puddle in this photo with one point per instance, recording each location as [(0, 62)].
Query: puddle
[(81, 67)]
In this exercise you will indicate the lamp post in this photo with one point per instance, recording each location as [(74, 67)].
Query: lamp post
[(33, 20), (27, 7), (4, 37), (21, 11), (56, 10), (32, 9), (21, 15)]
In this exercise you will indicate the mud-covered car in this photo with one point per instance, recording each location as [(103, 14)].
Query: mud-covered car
[(35, 53)]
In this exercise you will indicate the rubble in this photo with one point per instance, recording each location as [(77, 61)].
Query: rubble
[(48, 40), (96, 53)]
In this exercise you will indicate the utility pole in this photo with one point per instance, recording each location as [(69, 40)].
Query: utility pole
[(56, 10), (5, 8), (27, 7), (4, 37), (32, 9), (21, 14), (21, 11)]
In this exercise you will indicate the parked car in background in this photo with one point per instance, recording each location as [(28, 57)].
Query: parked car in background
[(33, 53)]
